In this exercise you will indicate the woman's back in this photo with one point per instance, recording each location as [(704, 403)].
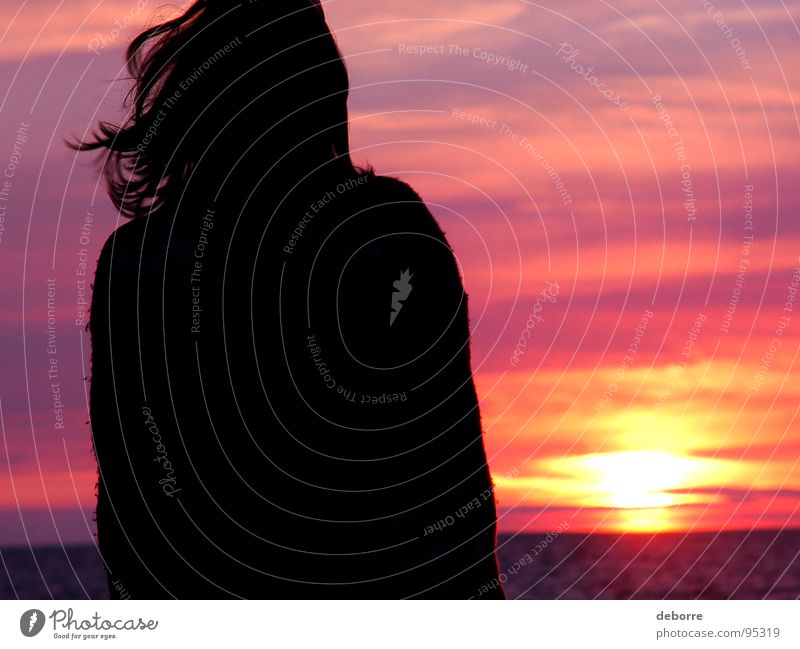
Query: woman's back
[(282, 401)]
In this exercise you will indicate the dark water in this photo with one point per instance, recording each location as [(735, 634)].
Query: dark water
[(52, 572), (737, 565), (729, 565)]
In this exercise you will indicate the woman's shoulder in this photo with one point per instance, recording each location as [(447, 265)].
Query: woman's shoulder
[(399, 206), (390, 186), (124, 249), (119, 245)]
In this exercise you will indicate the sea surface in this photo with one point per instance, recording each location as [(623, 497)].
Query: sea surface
[(736, 565)]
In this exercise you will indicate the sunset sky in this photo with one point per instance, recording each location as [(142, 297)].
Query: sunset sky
[(619, 181)]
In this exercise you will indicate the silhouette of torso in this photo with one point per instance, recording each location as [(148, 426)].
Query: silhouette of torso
[(282, 404)]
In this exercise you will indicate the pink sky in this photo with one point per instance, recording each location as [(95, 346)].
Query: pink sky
[(649, 217)]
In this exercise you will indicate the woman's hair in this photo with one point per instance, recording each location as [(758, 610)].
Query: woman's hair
[(256, 83)]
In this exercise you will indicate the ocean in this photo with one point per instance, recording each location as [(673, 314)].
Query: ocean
[(705, 565)]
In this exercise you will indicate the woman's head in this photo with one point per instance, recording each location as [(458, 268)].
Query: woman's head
[(227, 87)]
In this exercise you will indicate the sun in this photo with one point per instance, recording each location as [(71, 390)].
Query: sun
[(633, 479), (628, 490)]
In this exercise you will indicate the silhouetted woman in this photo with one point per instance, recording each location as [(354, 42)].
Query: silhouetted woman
[(282, 402)]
